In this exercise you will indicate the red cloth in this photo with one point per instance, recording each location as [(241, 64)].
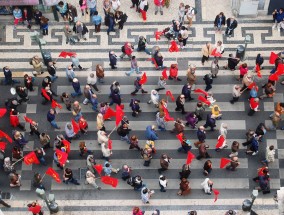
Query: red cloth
[(45, 95), (16, 21), (110, 144), (64, 54), (144, 14), (83, 124), (257, 67), (143, 79), (273, 77), (61, 156), (253, 104), (2, 112), (204, 100), (272, 57), (169, 93), (3, 134), (99, 168), (54, 104), (179, 137), (158, 35), (253, 84), (109, 113), (127, 49), (53, 174), (174, 72), (14, 120), (260, 171), (164, 74), (109, 181), (221, 140), (119, 115), (168, 117), (190, 157), (216, 193), (76, 127), (216, 54), (224, 162), (36, 209), (31, 158), (243, 71), (66, 143), (280, 69), (2, 146), (201, 91), (174, 47), (29, 120), (159, 3)]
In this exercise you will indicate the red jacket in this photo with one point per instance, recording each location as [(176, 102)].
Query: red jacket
[(253, 104), (127, 49), (243, 71), (174, 72), (14, 120), (36, 209), (83, 125), (159, 2)]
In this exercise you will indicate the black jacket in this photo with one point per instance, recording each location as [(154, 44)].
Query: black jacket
[(51, 70), (232, 25), (112, 59), (223, 20)]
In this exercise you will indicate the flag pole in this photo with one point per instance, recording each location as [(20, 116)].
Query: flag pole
[(112, 131), (43, 176), (18, 161)]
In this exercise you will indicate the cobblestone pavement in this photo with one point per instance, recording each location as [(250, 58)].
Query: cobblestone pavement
[(17, 49)]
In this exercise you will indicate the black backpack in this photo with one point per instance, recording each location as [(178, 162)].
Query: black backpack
[(130, 181), (124, 18), (123, 49)]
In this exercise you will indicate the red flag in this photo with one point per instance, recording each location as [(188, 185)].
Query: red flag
[(215, 53), (253, 84), (259, 74), (29, 120), (110, 144), (180, 137), (190, 157), (119, 115), (109, 113), (174, 47), (201, 91), (109, 180), (280, 69), (45, 95), (169, 93), (31, 158), (99, 168), (204, 100), (224, 162), (164, 74), (168, 117), (53, 174), (54, 104), (158, 35), (273, 77), (36, 209), (272, 57), (216, 193), (3, 134), (76, 127), (143, 79), (221, 140), (257, 68), (66, 143), (61, 156), (2, 112), (65, 54), (2, 146)]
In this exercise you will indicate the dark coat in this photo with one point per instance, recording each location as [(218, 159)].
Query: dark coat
[(112, 59), (232, 25), (85, 29), (201, 136), (159, 60), (76, 86), (51, 70), (223, 20)]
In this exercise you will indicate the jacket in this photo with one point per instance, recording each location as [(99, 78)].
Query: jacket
[(201, 135), (232, 25), (107, 170), (50, 117), (191, 77), (165, 162), (151, 134), (127, 49), (100, 71), (206, 51), (51, 70), (102, 138), (206, 187), (112, 58), (269, 155), (219, 20), (76, 86), (83, 27), (106, 151)]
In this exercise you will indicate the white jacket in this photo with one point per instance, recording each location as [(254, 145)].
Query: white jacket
[(155, 97), (269, 155), (92, 81), (106, 151), (206, 186), (223, 131), (102, 138)]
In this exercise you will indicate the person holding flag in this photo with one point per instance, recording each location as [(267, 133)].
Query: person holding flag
[(14, 119), (68, 177), (138, 86)]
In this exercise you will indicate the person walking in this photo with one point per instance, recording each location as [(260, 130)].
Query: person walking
[(190, 76), (201, 136), (236, 94), (75, 62), (35, 208), (17, 13), (234, 149), (269, 155), (231, 26), (91, 179), (37, 65), (214, 68), (180, 101), (81, 30), (67, 32), (158, 6), (163, 183), (44, 25), (77, 88), (208, 79), (108, 169), (207, 186), (207, 168), (144, 6), (127, 49), (164, 163), (183, 36), (51, 118), (134, 67), (181, 12), (52, 71), (92, 81), (202, 149), (112, 60), (138, 87), (233, 164), (254, 104), (190, 13), (142, 45), (68, 177), (184, 187)]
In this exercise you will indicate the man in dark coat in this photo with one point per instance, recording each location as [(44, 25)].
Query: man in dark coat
[(231, 25), (52, 71), (112, 59), (210, 121), (164, 162), (186, 91), (180, 104)]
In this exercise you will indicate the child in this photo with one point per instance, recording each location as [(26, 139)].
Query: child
[(83, 149), (66, 99), (83, 125), (44, 25), (216, 112)]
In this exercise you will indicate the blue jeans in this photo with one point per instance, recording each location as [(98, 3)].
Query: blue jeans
[(78, 116), (53, 124), (132, 70), (110, 28), (125, 138), (53, 78), (10, 81), (42, 161), (71, 180), (92, 11), (78, 93), (145, 50)]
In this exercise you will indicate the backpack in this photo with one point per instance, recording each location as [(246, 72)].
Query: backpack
[(124, 18), (123, 49), (130, 181)]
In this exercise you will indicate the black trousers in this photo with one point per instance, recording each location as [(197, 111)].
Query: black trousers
[(4, 203), (204, 58), (229, 32)]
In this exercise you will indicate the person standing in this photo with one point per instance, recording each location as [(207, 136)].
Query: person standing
[(62, 8), (236, 94), (181, 12), (269, 155), (158, 6), (220, 21), (214, 68), (190, 75), (233, 164), (37, 64), (138, 87), (144, 6), (115, 5), (112, 60), (72, 14), (92, 82), (206, 52), (92, 5), (184, 36), (123, 132), (37, 16), (77, 88), (91, 179), (97, 21), (208, 79), (207, 186), (68, 177), (234, 148), (207, 168), (231, 25), (151, 134), (110, 22), (14, 120), (100, 73), (164, 163), (9, 77), (52, 71), (51, 118), (81, 30), (279, 16), (254, 104), (83, 6), (163, 183), (202, 149), (27, 16), (67, 32), (17, 13)]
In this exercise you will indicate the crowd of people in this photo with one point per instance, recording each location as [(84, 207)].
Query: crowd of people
[(205, 114)]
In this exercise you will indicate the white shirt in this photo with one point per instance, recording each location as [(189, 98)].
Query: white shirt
[(142, 4), (115, 4), (190, 12)]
